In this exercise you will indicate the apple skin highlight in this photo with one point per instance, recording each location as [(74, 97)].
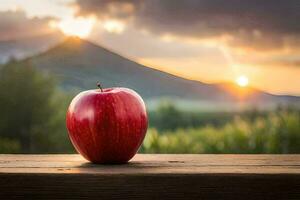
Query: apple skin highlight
[(107, 126)]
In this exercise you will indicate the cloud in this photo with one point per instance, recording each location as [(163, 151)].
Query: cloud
[(121, 9), (254, 25), (15, 25), (282, 63)]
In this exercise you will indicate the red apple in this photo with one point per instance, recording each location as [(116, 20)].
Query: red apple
[(107, 125)]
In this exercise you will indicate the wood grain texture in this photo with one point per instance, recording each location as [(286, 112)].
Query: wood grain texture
[(151, 177)]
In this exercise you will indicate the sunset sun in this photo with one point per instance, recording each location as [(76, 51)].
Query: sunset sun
[(242, 81), (80, 27)]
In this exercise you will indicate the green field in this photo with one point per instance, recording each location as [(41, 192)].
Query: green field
[(275, 131)]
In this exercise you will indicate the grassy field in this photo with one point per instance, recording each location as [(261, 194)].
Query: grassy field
[(273, 132)]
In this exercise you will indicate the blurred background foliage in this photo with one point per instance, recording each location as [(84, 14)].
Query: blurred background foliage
[(32, 120), (32, 111), (274, 132)]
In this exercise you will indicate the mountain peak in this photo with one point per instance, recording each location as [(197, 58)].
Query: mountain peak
[(73, 44), (72, 41)]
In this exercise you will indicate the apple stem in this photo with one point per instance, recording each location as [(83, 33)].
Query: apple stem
[(99, 86)]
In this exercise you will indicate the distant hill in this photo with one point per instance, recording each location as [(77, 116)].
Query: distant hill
[(79, 64), (28, 46)]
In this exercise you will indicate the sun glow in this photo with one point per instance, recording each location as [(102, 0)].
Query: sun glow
[(80, 27), (242, 81)]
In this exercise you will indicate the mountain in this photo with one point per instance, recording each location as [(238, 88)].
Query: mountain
[(80, 64), (28, 46)]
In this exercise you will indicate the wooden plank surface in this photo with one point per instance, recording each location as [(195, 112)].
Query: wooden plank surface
[(151, 177)]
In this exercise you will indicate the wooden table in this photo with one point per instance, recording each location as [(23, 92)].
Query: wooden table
[(151, 177)]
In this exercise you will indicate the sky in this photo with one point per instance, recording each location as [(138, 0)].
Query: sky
[(207, 40)]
